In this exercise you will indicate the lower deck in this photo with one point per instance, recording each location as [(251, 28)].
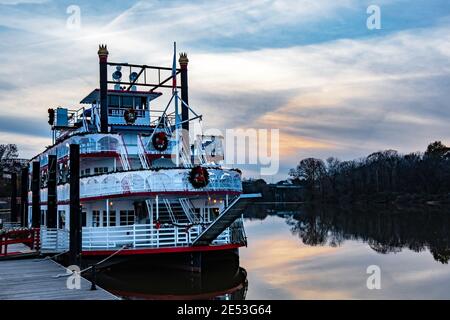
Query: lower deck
[(140, 239), (172, 210), (143, 225)]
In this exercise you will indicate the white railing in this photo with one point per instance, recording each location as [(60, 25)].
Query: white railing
[(169, 210), (98, 143), (209, 149), (97, 117), (10, 225), (138, 181), (89, 143), (123, 154), (141, 152), (54, 240), (133, 236), (188, 209), (143, 235), (185, 159), (223, 238)]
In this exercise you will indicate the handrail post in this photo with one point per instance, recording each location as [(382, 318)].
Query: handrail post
[(157, 238), (134, 236), (107, 237), (176, 235), (93, 280), (6, 245)]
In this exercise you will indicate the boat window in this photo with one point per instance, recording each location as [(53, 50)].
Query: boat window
[(107, 144), (127, 102), (96, 218), (101, 170), (139, 103), (112, 218), (83, 219), (43, 216), (61, 219), (126, 217), (86, 172), (114, 101)]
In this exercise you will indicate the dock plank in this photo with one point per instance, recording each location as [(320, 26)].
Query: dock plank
[(33, 279)]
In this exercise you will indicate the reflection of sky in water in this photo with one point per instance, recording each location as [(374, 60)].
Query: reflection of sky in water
[(280, 266)]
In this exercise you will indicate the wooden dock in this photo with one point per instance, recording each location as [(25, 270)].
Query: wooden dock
[(18, 251), (36, 279)]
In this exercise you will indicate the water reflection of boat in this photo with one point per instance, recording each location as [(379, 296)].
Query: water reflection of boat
[(219, 283)]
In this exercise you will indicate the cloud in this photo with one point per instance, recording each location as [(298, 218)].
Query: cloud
[(225, 18), (250, 105), (16, 2), (346, 97), (6, 86), (24, 125)]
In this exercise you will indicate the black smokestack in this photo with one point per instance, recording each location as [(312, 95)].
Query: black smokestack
[(103, 60), (184, 90)]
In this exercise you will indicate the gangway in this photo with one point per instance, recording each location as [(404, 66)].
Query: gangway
[(225, 219)]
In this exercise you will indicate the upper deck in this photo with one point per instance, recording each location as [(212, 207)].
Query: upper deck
[(121, 101), (119, 119), (119, 129)]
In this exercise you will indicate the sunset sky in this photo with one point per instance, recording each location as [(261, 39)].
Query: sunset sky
[(310, 68)]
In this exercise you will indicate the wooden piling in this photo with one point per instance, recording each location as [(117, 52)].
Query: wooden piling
[(36, 197), (75, 212)]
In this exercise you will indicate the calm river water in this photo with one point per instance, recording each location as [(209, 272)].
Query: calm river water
[(296, 252)]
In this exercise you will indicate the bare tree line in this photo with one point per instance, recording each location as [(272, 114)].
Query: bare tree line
[(381, 176)]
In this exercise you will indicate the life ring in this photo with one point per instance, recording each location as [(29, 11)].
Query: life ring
[(199, 177), (160, 141), (130, 116)]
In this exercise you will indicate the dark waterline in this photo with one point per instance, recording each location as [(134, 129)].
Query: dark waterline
[(299, 252)]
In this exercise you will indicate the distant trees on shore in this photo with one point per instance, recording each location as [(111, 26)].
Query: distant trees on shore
[(8, 153), (382, 175)]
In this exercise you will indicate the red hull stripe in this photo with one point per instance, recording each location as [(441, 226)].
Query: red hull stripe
[(128, 252), (146, 194), (101, 154)]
